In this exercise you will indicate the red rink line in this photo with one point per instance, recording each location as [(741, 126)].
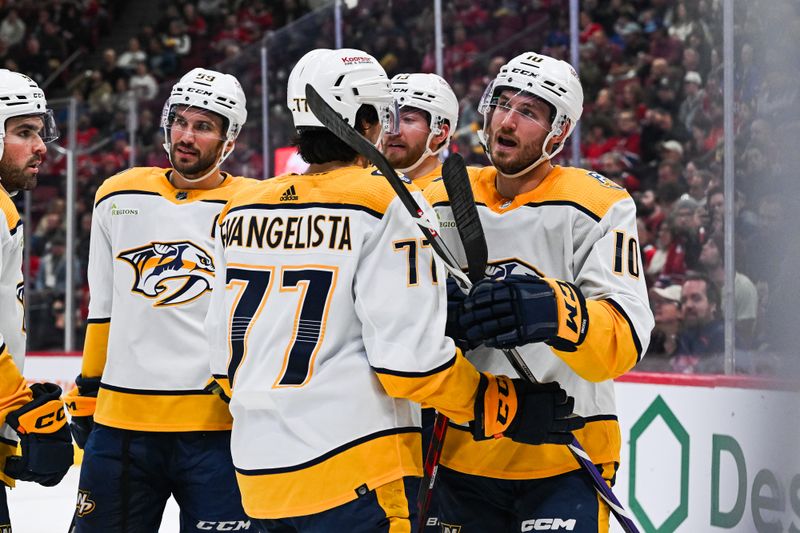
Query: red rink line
[(653, 378), (711, 381)]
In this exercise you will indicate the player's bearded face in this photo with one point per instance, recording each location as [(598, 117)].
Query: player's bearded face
[(517, 130), (404, 148), (196, 141), (23, 152)]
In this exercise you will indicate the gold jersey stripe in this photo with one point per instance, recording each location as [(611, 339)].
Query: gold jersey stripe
[(392, 499), (364, 187), (9, 210), (95, 349), (506, 459), (153, 412), (609, 349), (153, 180), (333, 482), (564, 185)]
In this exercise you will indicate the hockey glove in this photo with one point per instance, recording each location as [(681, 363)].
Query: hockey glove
[(455, 298), (81, 402), (44, 438), (530, 413), (519, 310)]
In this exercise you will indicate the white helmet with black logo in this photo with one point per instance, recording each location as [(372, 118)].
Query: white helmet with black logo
[(21, 96), (433, 94), (346, 79), (552, 80), (213, 91)]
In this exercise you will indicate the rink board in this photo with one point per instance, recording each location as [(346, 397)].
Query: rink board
[(700, 453)]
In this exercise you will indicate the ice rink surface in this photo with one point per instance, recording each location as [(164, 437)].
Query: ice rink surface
[(36, 509)]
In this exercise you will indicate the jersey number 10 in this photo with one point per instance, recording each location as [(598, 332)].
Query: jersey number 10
[(626, 247)]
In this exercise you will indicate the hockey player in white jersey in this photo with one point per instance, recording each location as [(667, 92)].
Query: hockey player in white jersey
[(150, 425), (327, 319), (428, 117), (566, 289), (35, 415)]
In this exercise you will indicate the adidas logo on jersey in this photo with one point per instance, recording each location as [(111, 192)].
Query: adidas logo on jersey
[(289, 195)]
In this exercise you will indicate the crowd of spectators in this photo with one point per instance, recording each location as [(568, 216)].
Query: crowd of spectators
[(653, 122)]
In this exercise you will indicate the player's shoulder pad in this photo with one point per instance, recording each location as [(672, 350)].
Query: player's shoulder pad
[(364, 188), (145, 179), (436, 193), (588, 190), (367, 187), (10, 213)]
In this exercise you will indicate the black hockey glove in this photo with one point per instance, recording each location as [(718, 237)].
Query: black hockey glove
[(81, 402), (455, 298), (530, 413), (519, 310), (44, 438)]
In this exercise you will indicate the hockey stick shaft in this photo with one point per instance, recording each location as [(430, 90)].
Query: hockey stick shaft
[(468, 224), (363, 146)]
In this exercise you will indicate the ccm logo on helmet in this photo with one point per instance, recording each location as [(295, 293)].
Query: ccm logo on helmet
[(199, 91), (548, 524), (524, 72)]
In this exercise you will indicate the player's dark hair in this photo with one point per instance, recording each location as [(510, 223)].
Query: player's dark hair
[(319, 145)]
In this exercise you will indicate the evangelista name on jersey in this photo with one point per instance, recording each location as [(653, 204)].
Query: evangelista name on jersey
[(289, 233)]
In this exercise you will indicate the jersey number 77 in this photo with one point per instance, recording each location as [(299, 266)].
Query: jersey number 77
[(253, 284)]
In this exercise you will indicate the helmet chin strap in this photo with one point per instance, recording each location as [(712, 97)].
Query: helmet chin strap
[(213, 169), (427, 153), (542, 158)]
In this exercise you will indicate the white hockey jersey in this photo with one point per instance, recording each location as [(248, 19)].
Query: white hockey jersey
[(14, 392), (579, 227), (150, 272), (327, 316)]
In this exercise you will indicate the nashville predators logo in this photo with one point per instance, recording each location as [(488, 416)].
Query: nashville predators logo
[(173, 272), (84, 505), (506, 267)]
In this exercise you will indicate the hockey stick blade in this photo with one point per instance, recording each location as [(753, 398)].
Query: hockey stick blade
[(468, 223)]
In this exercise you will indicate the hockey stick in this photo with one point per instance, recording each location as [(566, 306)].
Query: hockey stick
[(363, 146), (468, 223), (471, 234), (459, 190)]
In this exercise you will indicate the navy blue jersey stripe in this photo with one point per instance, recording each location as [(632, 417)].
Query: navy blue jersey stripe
[(636, 340), (310, 205), (403, 374), (326, 456)]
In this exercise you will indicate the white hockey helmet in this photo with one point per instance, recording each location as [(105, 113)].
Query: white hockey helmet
[(20, 96), (433, 94), (346, 79), (213, 91), (552, 80)]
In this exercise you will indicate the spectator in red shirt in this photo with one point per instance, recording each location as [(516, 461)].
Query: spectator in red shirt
[(460, 55)]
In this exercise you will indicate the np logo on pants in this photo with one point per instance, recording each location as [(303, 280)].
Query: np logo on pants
[(84, 505), (549, 524)]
